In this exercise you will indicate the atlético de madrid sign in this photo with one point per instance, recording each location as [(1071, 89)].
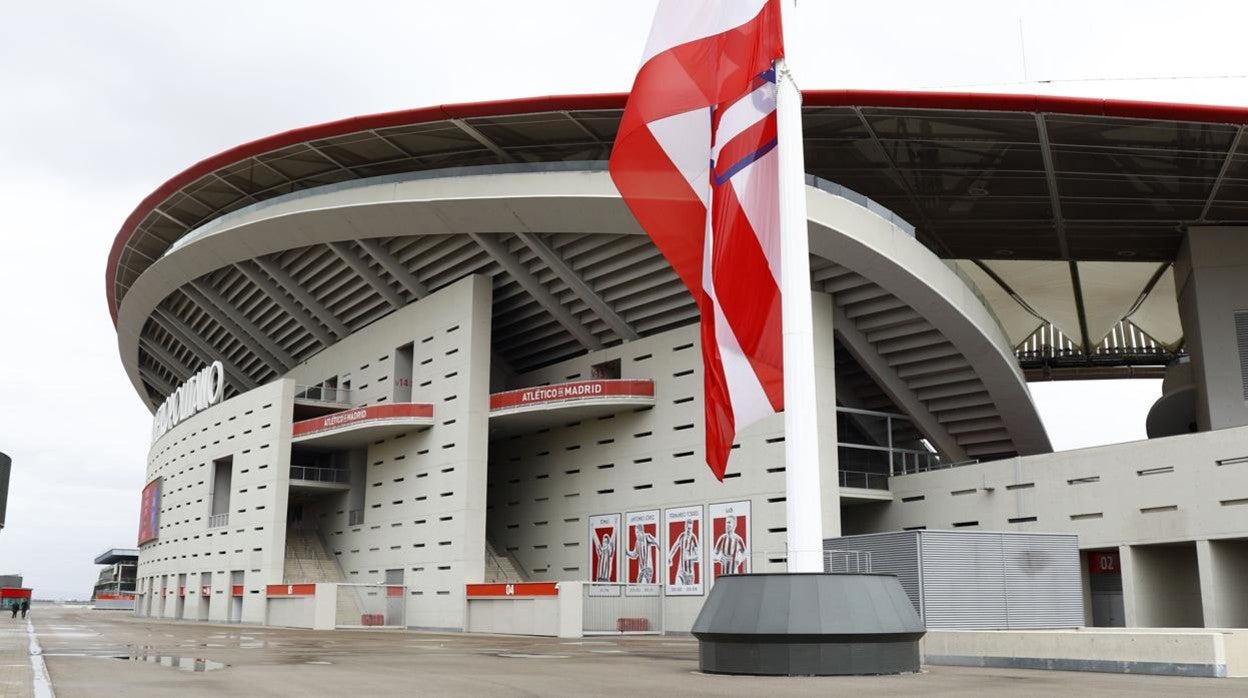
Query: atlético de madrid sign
[(199, 392)]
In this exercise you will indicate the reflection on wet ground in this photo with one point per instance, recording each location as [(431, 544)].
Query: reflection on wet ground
[(174, 662)]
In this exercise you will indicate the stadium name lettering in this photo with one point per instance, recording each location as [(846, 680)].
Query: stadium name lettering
[(343, 418), (199, 392), (561, 392)]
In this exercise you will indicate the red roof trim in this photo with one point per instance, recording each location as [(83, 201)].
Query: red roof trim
[(969, 101)]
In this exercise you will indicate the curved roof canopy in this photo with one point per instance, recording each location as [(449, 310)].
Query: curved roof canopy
[(1032, 196)]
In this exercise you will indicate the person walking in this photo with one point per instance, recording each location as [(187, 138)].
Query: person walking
[(16, 607), (25, 607)]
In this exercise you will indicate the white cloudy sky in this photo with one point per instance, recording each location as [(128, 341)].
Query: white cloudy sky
[(101, 101)]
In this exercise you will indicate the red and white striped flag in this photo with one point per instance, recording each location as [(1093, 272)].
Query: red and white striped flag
[(695, 160)]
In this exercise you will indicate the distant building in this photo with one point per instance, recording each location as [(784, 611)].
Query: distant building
[(114, 590)]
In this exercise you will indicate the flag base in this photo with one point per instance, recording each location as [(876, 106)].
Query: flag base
[(808, 625)]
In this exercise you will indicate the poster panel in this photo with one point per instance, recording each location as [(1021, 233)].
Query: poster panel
[(642, 550), (604, 542), (149, 512), (683, 530), (730, 536)]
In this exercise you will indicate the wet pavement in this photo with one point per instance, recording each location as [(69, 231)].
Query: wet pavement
[(103, 653)]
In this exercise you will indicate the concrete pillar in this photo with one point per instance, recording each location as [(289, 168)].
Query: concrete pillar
[(1211, 280), (825, 398), (1223, 566), (1208, 584), (1126, 562)]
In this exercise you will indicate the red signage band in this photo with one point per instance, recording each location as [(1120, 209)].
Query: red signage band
[(1104, 562), (14, 593), (579, 390), (358, 415), (521, 589), (290, 590), (114, 597), (236, 590)]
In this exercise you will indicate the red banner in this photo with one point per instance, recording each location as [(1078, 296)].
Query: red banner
[(565, 392), (523, 589), (149, 512), (346, 418), (290, 590), (14, 593), (236, 590)]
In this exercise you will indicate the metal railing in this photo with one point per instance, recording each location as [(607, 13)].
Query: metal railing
[(313, 474), (866, 481), (355, 517), (849, 561), (219, 520), (323, 393)]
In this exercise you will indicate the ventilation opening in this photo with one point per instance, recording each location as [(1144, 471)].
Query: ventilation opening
[(1241, 338)]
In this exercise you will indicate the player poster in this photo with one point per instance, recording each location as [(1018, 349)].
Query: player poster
[(683, 528), (730, 538), (149, 512), (604, 541), (642, 551)]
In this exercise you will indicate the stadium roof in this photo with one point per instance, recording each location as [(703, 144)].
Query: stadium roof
[(1066, 212)]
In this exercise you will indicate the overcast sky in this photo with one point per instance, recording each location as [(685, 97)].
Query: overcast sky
[(100, 102)]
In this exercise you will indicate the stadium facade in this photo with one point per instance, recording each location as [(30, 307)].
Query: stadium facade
[(432, 348)]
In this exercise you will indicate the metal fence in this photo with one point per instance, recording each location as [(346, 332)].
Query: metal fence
[(218, 520), (371, 606), (620, 609)]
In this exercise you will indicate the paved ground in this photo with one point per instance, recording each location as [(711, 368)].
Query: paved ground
[(101, 653)]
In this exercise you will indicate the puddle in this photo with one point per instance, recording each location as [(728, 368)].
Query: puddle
[(194, 664)]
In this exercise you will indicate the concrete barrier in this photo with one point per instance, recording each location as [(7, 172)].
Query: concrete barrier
[(1165, 651)]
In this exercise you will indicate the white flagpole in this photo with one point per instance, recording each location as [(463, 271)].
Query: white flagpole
[(804, 510)]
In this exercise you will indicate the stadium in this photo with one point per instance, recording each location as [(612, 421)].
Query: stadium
[(430, 354)]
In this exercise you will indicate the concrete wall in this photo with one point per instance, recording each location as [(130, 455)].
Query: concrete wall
[(424, 500), (544, 486), (1155, 491), (1211, 279), (1161, 586), (254, 429)]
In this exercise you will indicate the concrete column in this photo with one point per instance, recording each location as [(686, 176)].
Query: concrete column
[(1223, 566), (825, 398), (1208, 584), (1211, 280), (1126, 562)]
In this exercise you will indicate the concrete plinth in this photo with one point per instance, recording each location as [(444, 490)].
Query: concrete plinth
[(808, 625)]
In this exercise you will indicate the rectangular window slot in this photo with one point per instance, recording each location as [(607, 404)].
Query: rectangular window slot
[(1021, 486), (682, 400), (776, 500), (1087, 517), (916, 498), (775, 440), (965, 524), (778, 469), (683, 347), (1155, 471), (606, 466), (1084, 480), (729, 476), (643, 357), (1238, 460), (1233, 502), (682, 454), (914, 528), (959, 493), (607, 491), (685, 372), (1022, 519), (642, 487), (688, 481), (1158, 510)]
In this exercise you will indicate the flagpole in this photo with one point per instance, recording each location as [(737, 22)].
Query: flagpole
[(803, 500)]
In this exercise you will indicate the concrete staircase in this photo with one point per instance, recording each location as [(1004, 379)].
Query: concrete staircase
[(500, 568), (308, 562)]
